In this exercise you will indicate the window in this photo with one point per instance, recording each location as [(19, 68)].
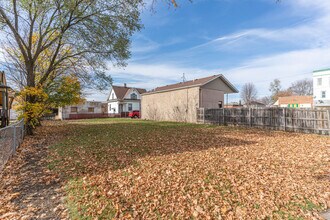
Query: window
[(74, 109), (130, 107), (90, 109), (319, 81), (220, 104), (110, 108), (323, 94), (133, 96), (113, 96)]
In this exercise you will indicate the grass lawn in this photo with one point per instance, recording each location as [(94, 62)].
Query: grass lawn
[(134, 169)]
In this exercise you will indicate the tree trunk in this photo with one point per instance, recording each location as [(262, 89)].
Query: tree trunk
[(30, 78), (28, 120)]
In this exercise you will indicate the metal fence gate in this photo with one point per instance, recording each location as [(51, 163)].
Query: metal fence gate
[(10, 139)]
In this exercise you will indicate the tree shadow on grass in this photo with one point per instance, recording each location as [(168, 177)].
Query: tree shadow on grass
[(93, 149)]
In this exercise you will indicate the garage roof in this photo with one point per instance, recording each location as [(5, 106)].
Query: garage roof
[(194, 83)]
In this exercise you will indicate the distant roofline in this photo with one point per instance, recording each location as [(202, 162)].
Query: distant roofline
[(321, 70), (221, 76), (128, 87)]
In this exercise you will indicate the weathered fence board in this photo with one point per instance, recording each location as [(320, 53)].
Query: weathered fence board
[(298, 120)]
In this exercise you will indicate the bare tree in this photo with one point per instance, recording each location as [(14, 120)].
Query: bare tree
[(275, 87), (249, 93), (302, 87), (267, 100)]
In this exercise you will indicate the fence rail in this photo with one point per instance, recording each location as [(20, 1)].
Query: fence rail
[(10, 139), (297, 120)]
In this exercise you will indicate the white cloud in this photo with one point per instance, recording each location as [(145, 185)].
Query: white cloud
[(308, 32), (310, 37), (287, 67)]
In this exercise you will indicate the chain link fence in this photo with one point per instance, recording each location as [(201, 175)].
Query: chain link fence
[(10, 139)]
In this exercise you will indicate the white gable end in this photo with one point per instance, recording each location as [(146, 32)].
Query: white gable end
[(112, 95), (130, 92)]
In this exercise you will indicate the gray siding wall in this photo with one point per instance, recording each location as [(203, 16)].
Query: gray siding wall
[(210, 98)]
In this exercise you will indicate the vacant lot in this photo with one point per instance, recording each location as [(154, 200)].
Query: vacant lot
[(149, 170)]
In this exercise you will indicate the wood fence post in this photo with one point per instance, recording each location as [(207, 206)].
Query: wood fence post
[(223, 116), (328, 122), (250, 115), (284, 115), (203, 115)]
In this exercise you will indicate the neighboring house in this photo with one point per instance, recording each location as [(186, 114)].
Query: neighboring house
[(234, 105), (88, 109), (13, 116), (179, 102), (6, 99), (294, 102), (255, 104), (321, 88), (123, 99)]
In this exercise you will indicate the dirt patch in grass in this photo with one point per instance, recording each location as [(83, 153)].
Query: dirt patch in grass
[(149, 170)]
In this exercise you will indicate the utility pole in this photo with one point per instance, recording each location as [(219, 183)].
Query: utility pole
[(183, 77)]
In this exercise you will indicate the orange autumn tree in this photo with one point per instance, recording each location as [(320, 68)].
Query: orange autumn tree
[(52, 42), (59, 90)]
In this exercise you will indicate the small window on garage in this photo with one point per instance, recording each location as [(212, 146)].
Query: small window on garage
[(220, 104), (90, 109), (74, 109)]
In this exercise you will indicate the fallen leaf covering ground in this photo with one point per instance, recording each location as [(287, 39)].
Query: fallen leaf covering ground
[(132, 169), (28, 189)]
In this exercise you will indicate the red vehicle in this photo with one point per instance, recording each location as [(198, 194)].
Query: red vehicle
[(134, 114)]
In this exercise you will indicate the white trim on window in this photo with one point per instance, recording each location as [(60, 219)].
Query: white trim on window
[(323, 94)]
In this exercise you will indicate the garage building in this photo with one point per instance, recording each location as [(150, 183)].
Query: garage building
[(179, 102)]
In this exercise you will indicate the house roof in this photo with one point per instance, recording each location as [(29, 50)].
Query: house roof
[(295, 100), (321, 70), (194, 83), (256, 103), (122, 90)]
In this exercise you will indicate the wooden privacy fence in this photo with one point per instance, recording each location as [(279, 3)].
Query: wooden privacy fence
[(287, 119)]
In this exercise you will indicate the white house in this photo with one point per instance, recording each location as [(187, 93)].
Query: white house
[(321, 88), (88, 109), (124, 99)]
